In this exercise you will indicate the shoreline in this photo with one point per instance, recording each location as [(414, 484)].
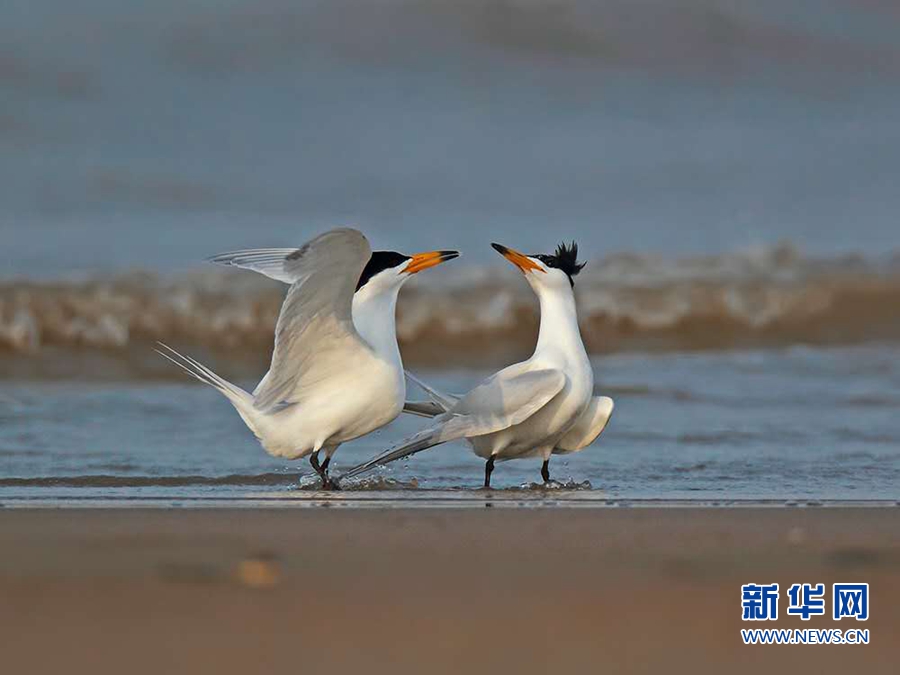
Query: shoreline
[(414, 499)]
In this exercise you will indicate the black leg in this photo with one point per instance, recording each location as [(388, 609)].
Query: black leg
[(545, 471), (327, 483), (322, 470), (488, 470), (314, 462)]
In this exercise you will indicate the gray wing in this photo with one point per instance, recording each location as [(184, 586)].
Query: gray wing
[(272, 262), (588, 427), (315, 337), (503, 400)]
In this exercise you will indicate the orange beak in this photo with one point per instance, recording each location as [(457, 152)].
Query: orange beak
[(422, 261), (520, 260)]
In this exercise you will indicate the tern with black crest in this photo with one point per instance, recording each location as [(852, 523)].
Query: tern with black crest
[(336, 372), (536, 408)]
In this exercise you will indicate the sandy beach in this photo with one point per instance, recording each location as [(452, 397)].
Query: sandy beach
[(438, 591)]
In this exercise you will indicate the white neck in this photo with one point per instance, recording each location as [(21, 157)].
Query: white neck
[(559, 333), (374, 315)]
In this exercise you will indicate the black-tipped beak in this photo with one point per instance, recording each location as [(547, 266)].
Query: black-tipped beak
[(424, 261), (520, 260)]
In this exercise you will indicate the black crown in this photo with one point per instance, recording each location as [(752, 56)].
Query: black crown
[(565, 258)]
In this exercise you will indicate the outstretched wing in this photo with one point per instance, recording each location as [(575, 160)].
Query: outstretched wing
[(272, 262), (508, 398), (588, 427), (315, 336)]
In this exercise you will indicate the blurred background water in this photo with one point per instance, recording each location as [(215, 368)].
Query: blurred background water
[(152, 134), (731, 171)]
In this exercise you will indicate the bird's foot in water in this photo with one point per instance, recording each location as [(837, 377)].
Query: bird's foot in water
[(322, 469), (329, 483)]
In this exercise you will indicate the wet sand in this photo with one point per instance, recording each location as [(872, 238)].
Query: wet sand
[(434, 591)]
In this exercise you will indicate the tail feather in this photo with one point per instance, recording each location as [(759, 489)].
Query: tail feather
[(240, 399), (199, 371), (423, 408), (423, 440), (445, 401)]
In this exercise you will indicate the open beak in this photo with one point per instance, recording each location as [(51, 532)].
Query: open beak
[(520, 260), (422, 261)]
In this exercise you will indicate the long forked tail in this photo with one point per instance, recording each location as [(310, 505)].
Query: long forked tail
[(240, 399), (417, 443)]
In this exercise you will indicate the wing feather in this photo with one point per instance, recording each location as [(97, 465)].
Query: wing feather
[(315, 336), (588, 427), (503, 400), (268, 261)]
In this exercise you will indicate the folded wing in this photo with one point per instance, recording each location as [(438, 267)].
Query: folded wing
[(503, 400), (588, 427)]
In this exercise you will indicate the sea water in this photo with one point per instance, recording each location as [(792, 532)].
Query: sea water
[(785, 425)]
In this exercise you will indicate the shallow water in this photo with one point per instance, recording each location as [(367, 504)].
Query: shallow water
[(799, 425)]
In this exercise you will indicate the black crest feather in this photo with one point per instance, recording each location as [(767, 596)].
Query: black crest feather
[(565, 258)]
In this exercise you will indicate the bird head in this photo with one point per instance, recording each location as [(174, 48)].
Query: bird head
[(546, 270), (389, 270)]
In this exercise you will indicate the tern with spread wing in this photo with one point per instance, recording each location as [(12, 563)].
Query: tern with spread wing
[(336, 372), (537, 408)]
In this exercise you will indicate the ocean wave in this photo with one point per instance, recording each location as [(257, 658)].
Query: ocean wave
[(761, 298)]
